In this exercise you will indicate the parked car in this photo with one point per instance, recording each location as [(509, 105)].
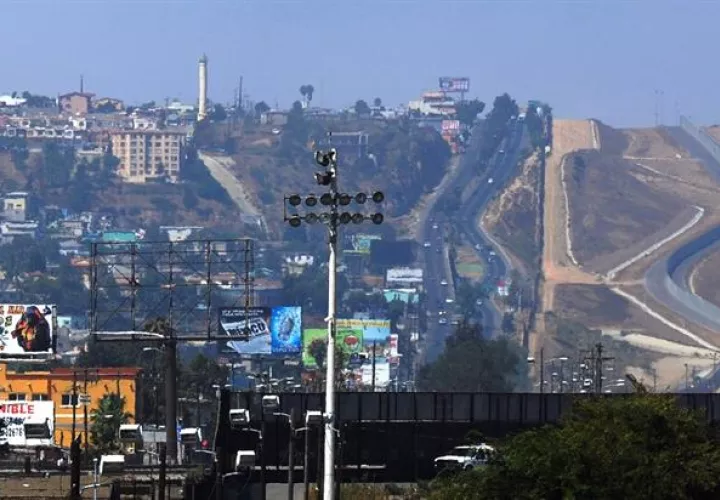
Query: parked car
[(465, 457)]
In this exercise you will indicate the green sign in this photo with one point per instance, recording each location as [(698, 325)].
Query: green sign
[(315, 344)]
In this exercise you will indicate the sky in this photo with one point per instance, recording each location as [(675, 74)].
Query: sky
[(604, 59)]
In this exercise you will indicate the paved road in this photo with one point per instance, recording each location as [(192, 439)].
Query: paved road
[(674, 291), (500, 169), (220, 167)]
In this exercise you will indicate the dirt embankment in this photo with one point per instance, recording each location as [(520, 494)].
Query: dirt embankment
[(610, 195), (513, 217)]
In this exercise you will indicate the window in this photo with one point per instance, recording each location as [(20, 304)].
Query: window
[(40, 397), (67, 400), (16, 396)]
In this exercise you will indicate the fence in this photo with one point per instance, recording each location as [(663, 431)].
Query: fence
[(702, 137)]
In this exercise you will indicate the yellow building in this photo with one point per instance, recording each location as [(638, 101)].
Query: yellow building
[(147, 155), (57, 386)]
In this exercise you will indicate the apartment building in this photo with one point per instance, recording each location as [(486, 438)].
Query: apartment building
[(148, 155)]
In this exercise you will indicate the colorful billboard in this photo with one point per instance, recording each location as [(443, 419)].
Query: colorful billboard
[(18, 414), (372, 330), (261, 330), (454, 84), (26, 329), (450, 127), (286, 330), (315, 344)]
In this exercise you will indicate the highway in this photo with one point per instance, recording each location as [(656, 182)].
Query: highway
[(435, 228)]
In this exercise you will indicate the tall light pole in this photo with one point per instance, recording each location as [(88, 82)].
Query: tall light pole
[(333, 218)]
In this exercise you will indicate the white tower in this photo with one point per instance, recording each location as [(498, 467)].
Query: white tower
[(202, 82)]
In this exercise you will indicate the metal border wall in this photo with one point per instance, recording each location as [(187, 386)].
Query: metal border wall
[(705, 140), (520, 408)]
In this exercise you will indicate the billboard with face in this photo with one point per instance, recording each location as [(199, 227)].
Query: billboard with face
[(26, 329)]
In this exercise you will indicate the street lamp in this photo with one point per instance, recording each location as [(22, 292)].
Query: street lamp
[(332, 218)]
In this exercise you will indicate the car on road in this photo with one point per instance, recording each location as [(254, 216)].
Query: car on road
[(443, 282), (465, 457), (442, 321), (426, 244), (449, 301), (490, 180), (502, 151), (435, 226), (478, 247)]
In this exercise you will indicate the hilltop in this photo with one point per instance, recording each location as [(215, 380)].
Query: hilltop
[(268, 162)]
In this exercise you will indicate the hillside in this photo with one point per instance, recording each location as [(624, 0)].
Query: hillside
[(131, 205), (512, 218), (609, 195), (403, 161)]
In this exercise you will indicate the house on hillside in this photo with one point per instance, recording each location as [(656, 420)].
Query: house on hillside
[(75, 103)]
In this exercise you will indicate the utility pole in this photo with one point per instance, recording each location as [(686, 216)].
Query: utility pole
[(171, 399), (332, 219), (74, 404), (86, 454), (596, 360)]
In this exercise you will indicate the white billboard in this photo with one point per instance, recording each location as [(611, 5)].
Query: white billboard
[(382, 374), (36, 415), (26, 329), (404, 275)]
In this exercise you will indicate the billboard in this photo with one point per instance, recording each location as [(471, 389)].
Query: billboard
[(16, 414), (404, 275), (454, 84), (261, 330), (26, 329), (286, 330), (450, 127), (360, 244), (372, 330), (350, 341)]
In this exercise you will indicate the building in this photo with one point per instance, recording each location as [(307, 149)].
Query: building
[(56, 385), (147, 155), (75, 103), (15, 206), (108, 105)]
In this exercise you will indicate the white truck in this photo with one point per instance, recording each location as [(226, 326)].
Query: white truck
[(465, 457)]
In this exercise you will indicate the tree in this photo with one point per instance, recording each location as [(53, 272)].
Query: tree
[(377, 102), (106, 420), (218, 113), (362, 108), (467, 111), (307, 92), (261, 107), (632, 448), (471, 363)]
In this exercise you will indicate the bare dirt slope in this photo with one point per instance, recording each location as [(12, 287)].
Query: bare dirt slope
[(512, 218), (704, 278), (610, 195)]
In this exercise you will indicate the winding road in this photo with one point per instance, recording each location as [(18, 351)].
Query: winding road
[(667, 280)]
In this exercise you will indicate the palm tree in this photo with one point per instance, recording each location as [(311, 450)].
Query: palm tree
[(106, 420)]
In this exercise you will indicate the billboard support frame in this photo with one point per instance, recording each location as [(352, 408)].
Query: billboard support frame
[(147, 257), (160, 325)]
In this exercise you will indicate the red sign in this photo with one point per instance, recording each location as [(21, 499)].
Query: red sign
[(17, 408)]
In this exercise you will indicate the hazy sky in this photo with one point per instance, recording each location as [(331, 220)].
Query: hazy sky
[(601, 59)]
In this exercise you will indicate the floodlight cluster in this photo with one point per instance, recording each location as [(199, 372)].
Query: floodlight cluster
[(330, 200)]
